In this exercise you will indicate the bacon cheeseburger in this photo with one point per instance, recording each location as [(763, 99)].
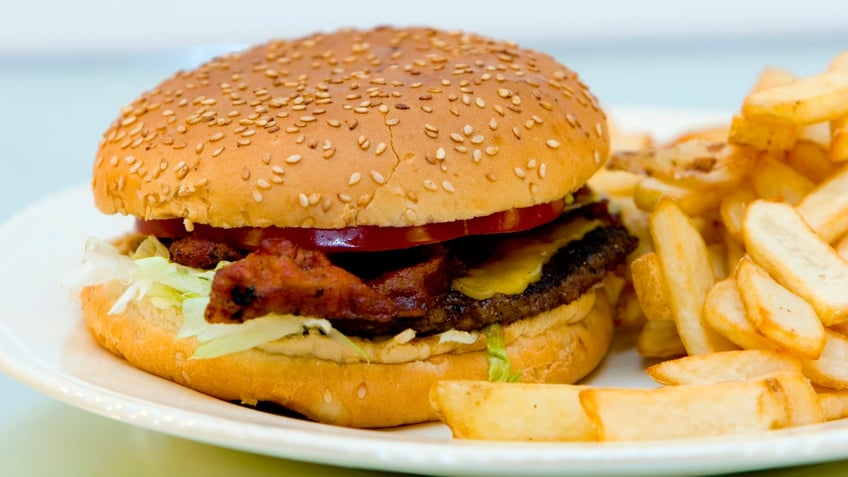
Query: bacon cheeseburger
[(334, 223)]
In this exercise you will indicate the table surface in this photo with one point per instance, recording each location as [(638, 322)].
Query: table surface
[(83, 92)]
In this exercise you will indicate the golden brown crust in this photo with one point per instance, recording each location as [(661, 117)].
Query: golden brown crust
[(390, 127), (350, 394)]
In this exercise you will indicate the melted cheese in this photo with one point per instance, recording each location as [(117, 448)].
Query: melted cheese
[(517, 262)]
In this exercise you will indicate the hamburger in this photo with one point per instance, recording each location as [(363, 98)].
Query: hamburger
[(333, 223)]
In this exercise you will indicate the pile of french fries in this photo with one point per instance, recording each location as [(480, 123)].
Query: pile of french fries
[(738, 290)]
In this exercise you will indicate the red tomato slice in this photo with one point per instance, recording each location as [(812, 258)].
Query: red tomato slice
[(362, 238)]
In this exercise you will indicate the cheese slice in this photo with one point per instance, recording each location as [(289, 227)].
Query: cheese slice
[(517, 261)]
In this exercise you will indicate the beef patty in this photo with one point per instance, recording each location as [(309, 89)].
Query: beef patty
[(384, 293)]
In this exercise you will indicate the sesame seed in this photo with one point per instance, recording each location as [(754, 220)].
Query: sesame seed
[(572, 121), (519, 172), (245, 173), (278, 170), (552, 143), (531, 163), (392, 121), (468, 129), (328, 153), (504, 93), (334, 123), (217, 152), (480, 102), (596, 155), (198, 148), (294, 159), (477, 155), (430, 185), (493, 124), (380, 148), (257, 196), (263, 184), (377, 177), (492, 150), (440, 153), (303, 200), (477, 139), (216, 137), (354, 178), (431, 128), (344, 198), (516, 132), (599, 129), (448, 186), (266, 157), (543, 169)]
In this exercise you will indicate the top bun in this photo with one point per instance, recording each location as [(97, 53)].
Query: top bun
[(390, 127)]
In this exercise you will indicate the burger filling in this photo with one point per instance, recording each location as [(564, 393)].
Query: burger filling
[(429, 289)]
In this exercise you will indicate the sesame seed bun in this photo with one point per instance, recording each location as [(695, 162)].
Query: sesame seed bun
[(562, 345), (390, 127)]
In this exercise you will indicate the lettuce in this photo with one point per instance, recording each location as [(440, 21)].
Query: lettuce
[(148, 272), (499, 366)]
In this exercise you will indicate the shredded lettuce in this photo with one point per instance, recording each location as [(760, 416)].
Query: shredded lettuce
[(148, 272), (499, 366)]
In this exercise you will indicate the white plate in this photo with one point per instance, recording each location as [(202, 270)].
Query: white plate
[(43, 344)]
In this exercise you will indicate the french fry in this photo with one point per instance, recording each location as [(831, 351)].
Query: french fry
[(818, 134), (829, 371), (648, 286), (709, 226), (738, 365), (694, 163), (687, 276), (686, 410), (780, 315), (725, 313), (839, 126), (808, 100), (841, 247), (734, 250), (717, 254), (825, 208), (659, 339), (777, 181), (512, 411), (780, 241), (834, 404), (732, 208), (802, 403), (810, 159), (838, 151), (692, 201), (762, 134), (614, 183)]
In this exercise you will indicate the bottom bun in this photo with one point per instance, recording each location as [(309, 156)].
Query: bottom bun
[(355, 394)]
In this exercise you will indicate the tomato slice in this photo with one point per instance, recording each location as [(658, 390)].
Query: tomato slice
[(364, 238)]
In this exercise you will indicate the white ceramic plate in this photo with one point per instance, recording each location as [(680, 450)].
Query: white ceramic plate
[(43, 344)]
